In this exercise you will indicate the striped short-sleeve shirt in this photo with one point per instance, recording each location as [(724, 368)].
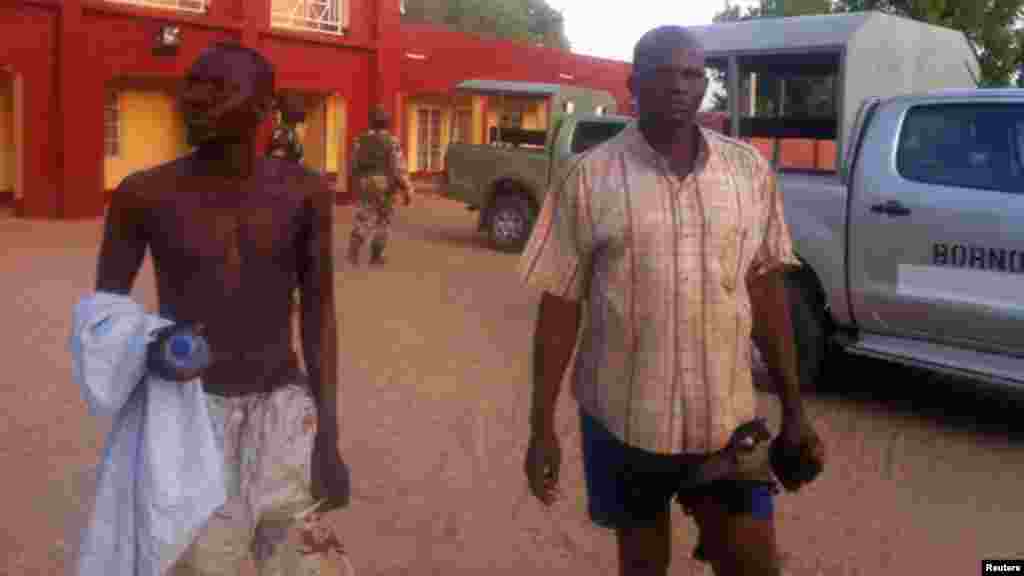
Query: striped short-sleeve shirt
[(662, 264)]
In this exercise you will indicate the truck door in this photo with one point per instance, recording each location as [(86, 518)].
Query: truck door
[(937, 225)]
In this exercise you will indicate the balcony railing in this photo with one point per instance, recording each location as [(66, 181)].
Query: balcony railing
[(308, 15), (194, 6)]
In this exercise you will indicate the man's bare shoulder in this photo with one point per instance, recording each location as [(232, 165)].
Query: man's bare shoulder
[(296, 181), (152, 182)]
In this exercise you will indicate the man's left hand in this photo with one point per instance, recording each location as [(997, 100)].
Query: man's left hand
[(797, 454), (330, 474)]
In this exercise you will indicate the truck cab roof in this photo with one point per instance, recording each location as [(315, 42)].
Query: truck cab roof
[(960, 94)]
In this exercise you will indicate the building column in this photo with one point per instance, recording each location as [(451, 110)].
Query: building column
[(389, 57), (398, 117), (18, 124), (481, 103), (256, 16), (80, 112)]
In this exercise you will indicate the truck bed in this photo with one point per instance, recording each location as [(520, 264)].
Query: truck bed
[(813, 197)]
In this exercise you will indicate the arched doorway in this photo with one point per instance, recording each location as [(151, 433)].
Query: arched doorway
[(143, 127), (320, 121), (11, 140)]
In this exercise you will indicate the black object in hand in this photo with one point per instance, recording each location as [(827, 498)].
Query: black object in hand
[(794, 466), (179, 353)]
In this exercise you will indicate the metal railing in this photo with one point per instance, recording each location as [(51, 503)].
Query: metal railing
[(310, 15), (194, 6)]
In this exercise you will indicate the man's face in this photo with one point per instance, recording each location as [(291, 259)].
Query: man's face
[(669, 89), (220, 100)]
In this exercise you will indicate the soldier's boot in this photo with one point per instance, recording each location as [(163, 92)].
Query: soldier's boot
[(376, 253), (354, 244)]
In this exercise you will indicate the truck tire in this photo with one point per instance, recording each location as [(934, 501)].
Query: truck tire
[(810, 327), (509, 223)]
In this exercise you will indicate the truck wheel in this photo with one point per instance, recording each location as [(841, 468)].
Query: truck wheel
[(509, 223), (810, 327)]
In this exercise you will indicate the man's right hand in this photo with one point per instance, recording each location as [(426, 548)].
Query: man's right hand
[(543, 463)]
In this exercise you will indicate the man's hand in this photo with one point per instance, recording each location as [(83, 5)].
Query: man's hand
[(543, 463), (408, 198), (331, 481), (797, 454)]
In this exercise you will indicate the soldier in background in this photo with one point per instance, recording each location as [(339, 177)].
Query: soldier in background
[(284, 143), (378, 171)]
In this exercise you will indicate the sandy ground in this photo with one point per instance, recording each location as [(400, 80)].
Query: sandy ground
[(923, 475)]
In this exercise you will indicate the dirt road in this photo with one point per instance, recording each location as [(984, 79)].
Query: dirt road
[(923, 478)]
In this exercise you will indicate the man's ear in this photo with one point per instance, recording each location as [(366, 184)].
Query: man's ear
[(265, 106), (265, 109)]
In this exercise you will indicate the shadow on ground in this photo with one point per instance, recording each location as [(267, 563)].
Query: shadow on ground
[(467, 238), (956, 404)]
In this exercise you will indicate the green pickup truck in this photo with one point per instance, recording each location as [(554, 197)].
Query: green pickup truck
[(507, 179)]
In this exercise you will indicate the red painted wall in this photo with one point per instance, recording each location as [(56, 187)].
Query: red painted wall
[(66, 51), (28, 40), (120, 46), (465, 56)]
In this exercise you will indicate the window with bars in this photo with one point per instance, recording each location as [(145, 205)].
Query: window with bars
[(325, 16), (428, 150), (112, 126)]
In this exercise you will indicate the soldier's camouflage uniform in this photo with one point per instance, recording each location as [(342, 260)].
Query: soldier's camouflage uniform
[(285, 143), (375, 195)]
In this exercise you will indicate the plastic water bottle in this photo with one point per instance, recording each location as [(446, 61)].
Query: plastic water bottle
[(179, 353)]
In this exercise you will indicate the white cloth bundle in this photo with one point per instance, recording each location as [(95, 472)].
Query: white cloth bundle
[(161, 474)]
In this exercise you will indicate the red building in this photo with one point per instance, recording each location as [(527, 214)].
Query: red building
[(86, 98)]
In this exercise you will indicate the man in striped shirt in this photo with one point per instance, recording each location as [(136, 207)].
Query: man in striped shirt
[(674, 238)]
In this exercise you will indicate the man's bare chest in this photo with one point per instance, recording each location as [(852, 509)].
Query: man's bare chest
[(227, 229)]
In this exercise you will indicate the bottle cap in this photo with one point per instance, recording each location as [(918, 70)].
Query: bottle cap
[(181, 346)]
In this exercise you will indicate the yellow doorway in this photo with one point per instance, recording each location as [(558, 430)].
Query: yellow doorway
[(11, 133), (143, 128), (323, 133)]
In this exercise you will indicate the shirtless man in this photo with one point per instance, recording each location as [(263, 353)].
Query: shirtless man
[(232, 237)]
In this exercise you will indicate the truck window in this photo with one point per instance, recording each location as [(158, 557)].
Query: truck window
[(590, 134), (964, 145)]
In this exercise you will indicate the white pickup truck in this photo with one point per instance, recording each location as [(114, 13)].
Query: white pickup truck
[(915, 254)]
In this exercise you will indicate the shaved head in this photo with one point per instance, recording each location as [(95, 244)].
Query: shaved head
[(257, 68), (669, 77), (380, 119), (655, 48)]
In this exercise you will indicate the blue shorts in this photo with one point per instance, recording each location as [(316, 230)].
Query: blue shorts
[(628, 487)]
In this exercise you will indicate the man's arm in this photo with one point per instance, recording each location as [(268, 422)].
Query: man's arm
[(556, 260), (798, 455), (554, 338), (124, 240), (318, 326), (317, 312), (766, 284), (773, 335)]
